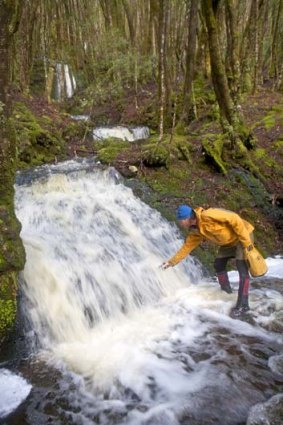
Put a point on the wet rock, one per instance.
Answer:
(268, 282)
(276, 364)
(133, 169)
(267, 413)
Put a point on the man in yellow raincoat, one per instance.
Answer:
(226, 229)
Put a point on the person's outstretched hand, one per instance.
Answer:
(165, 265)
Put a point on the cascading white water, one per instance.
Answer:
(93, 251)
(120, 132)
(149, 344)
(64, 82)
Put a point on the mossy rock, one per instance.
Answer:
(247, 136)
(155, 155)
(176, 146)
(36, 144)
(108, 150)
(186, 150)
(212, 147)
(8, 305)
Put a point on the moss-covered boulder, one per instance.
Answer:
(212, 145)
(108, 150)
(38, 140)
(155, 155)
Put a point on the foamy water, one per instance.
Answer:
(13, 389)
(142, 345)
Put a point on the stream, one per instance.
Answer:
(104, 336)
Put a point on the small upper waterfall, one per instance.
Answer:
(121, 132)
(64, 82)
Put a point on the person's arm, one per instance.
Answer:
(192, 241)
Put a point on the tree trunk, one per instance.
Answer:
(274, 55)
(11, 248)
(218, 74)
(262, 35)
(106, 13)
(162, 66)
(130, 21)
(256, 46)
(233, 50)
(153, 25)
(188, 109)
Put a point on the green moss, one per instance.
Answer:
(263, 159)
(279, 147)
(185, 149)
(164, 184)
(259, 153)
(212, 145)
(269, 121)
(108, 150)
(75, 129)
(180, 129)
(155, 155)
(177, 172)
(243, 158)
(37, 142)
(246, 135)
(8, 288)
(278, 109)
(169, 182)
(12, 255)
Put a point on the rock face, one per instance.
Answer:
(7, 302)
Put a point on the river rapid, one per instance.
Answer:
(107, 337)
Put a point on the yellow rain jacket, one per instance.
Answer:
(222, 227)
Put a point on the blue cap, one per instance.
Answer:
(184, 212)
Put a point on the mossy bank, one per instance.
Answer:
(8, 304)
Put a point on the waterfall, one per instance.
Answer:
(69, 81)
(121, 132)
(93, 251)
(64, 84)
